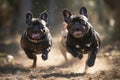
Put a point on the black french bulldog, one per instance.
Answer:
(81, 37)
(37, 38)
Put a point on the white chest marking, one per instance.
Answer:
(77, 46)
(88, 45)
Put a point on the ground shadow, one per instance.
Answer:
(65, 75)
(9, 69)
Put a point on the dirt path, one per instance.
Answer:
(56, 68)
(64, 71)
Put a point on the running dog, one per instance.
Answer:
(36, 38)
(79, 37)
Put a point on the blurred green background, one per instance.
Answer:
(103, 15)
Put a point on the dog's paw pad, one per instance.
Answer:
(44, 57)
(90, 63)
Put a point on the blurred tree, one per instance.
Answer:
(39, 6)
(115, 7)
(100, 8)
(9, 10)
(54, 8)
(25, 5)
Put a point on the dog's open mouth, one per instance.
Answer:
(36, 35)
(77, 33)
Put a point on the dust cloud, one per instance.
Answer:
(56, 59)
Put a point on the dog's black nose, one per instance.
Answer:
(35, 28)
(44, 56)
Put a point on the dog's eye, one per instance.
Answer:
(83, 22)
(42, 30)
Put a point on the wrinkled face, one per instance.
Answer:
(36, 29)
(36, 26)
(77, 27)
(77, 24)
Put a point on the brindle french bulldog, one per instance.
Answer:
(36, 38)
(81, 37)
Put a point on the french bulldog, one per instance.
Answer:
(36, 38)
(79, 37)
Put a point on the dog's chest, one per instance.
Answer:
(79, 44)
(38, 48)
(82, 46)
(35, 47)
(86, 47)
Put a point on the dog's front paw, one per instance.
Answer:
(80, 56)
(44, 56)
(91, 61)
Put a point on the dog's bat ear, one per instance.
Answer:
(28, 17)
(83, 11)
(44, 16)
(66, 14)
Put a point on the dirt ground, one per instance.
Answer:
(56, 68)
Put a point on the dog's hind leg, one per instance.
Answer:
(31, 55)
(86, 66)
(65, 56)
(64, 52)
(63, 49)
(34, 61)
(86, 69)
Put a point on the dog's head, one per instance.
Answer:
(36, 26)
(77, 24)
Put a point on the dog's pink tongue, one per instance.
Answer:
(36, 35)
(77, 32)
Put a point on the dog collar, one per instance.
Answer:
(34, 41)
